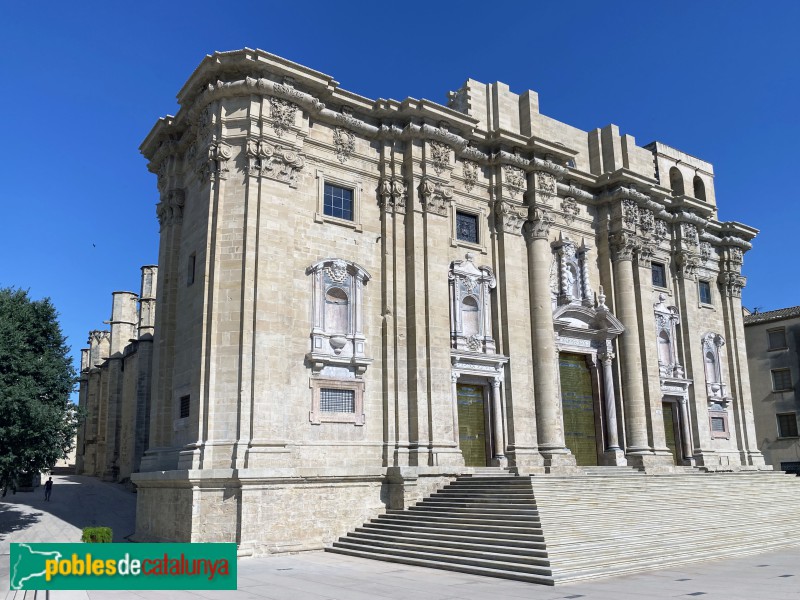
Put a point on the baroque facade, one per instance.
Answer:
(360, 299)
(773, 355)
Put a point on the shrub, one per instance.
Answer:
(97, 535)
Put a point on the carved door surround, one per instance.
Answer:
(591, 331)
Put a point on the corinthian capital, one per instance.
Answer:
(538, 228)
(623, 246)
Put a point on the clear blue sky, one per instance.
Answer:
(83, 82)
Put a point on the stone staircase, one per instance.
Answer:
(552, 530)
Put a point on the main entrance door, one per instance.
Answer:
(472, 424)
(577, 402)
(668, 410)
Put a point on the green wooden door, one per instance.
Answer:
(668, 410)
(471, 424)
(577, 403)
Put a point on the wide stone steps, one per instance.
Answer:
(559, 529)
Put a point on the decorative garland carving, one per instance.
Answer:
(344, 142)
(570, 209)
(470, 174)
(440, 156)
(282, 113)
(515, 179)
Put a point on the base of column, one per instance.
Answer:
(499, 461)
(653, 464)
(559, 461)
(446, 457)
(614, 457)
(526, 461)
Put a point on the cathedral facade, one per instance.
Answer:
(359, 300)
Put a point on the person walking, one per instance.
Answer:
(48, 488)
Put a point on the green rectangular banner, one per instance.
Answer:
(123, 566)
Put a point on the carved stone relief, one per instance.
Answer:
(393, 194)
(273, 161)
(570, 209)
(470, 175)
(470, 306)
(345, 143)
(515, 180)
(509, 218)
(436, 197)
(440, 156)
(282, 113)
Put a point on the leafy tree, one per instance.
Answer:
(37, 419)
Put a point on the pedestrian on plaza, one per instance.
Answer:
(48, 488)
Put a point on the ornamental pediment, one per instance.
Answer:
(586, 321)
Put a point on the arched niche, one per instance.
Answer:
(676, 182)
(699, 188)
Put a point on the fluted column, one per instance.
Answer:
(623, 248)
(547, 396)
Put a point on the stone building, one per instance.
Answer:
(359, 300)
(115, 382)
(773, 355)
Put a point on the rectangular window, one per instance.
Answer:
(184, 406)
(717, 424)
(190, 269)
(336, 400)
(787, 425)
(705, 292)
(338, 202)
(467, 227)
(781, 380)
(659, 275)
(777, 339)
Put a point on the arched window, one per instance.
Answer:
(676, 182)
(470, 315)
(699, 188)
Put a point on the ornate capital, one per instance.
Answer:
(606, 357)
(509, 218)
(623, 246)
(214, 164)
(732, 283)
(170, 210)
(393, 194)
(435, 196)
(687, 263)
(274, 162)
(538, 228)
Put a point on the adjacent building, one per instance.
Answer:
(773, 355)
(360, 299)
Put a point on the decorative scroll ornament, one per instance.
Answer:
(440, 156)
(509, 219)
(570, 209)
(282, 113)
(436, 197)
(344, 142)
(470, 175)
(515, 179)
(275, 162)
(215, 164)
(393, 193)
(539, 226)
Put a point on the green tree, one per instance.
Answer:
(37, 419)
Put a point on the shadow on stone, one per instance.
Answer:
(12, 520)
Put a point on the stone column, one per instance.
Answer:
(454, 391)
(613, 452)
(623, 248)
(499, 458)
(547, 396)
(686, 430)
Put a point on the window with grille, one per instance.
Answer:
(705, 292)
(467, 227)
(338, 401)
(659, 274)
(717, 424)
(787, 425)
(338, 202)
(781, 380)
(185, 406)
(776, 338)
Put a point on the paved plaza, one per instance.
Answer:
(81, 501)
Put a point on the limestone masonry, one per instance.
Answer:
(358, 300)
